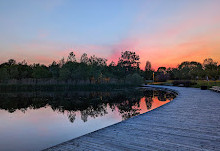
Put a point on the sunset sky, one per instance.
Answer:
(165, 32)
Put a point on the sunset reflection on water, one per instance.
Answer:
(37, 121)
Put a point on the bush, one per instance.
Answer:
(203, 87)
(184, 83)
(161, 77)
(3, 74)
(134, 79)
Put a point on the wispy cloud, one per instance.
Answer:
(163, 32)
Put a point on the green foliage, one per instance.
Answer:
(129, 61)
(96, 61)
(84, 59)
(200, 83)
(161, 69)
(71, 57)
(94, 70)
(3, 74)
(40, 71)
(184, 83)
(65, 74)
(148, 66)
(13, 71)
(148, 71)
(54, 70)
(195, 71)
(209, 64)
(11, 62)
(161, 77)
(190, 70)
(134, 79)
(211, 68)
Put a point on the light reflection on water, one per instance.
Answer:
(34, 121)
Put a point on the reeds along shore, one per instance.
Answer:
(64, 87)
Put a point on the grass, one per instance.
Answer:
(206, 83)
(198, 85)
(169, 82)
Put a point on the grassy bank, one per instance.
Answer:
(198, 83)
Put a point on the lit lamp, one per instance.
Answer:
(153, 76)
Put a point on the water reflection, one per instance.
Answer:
(90, 104)
(37, 120)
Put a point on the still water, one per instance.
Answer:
(38, 120)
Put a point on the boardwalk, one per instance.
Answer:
(190, 122)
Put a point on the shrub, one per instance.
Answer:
(161, 77)
(184, 83)
(134, 79)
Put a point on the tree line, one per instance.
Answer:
(91, 69)
(94, 70)
(187, 70)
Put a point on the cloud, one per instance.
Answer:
(194, 37)
(164, 39)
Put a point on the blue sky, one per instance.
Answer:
(46, 30)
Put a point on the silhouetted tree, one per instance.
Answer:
(71, 57)
(210, 67)
(61, 62)
(54, 70)
(129, 60)
(96, 70)
(11, 62)
(84, 59)
(148, 66)
(161, 69)
(148, 71)
(189, 70)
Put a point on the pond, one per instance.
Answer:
(38, 120)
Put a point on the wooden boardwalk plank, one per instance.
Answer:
(189, 122)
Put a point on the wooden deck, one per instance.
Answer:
(190, 122)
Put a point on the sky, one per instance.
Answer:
(164, 32)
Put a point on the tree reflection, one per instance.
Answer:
(88, 104)
(149, 101)
(71, 116)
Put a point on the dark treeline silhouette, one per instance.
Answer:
(89, 104)
(208, 70)
(94, 70)
(89, 70)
